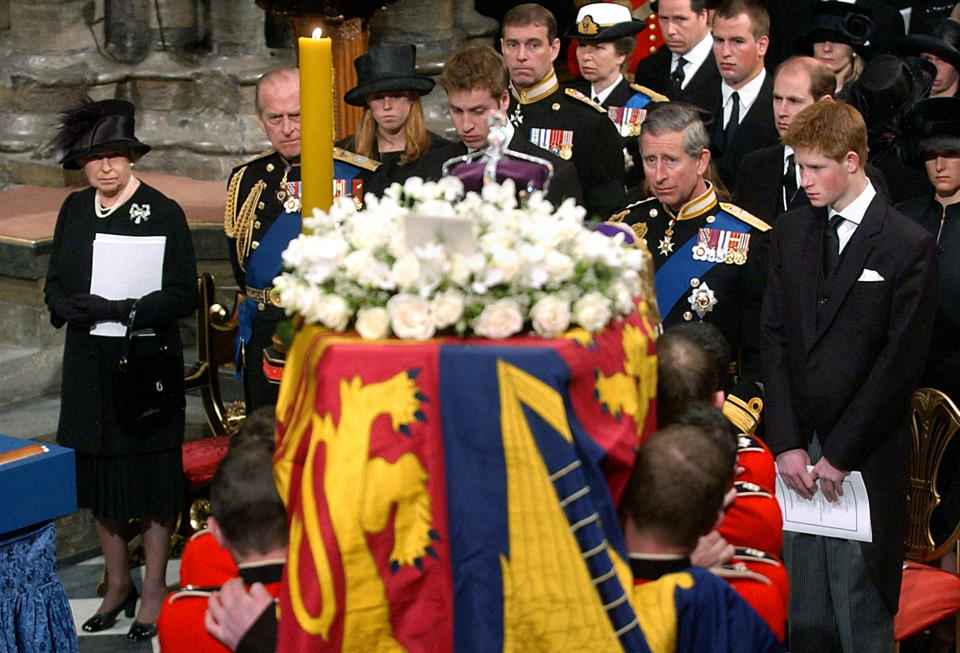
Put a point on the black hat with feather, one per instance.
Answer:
(97, 127)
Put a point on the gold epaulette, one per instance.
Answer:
(744, 414)
(577, 95)
(238, 223)
(745, 216)
(353, 158)
(650, 93)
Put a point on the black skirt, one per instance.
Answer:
(131, 486)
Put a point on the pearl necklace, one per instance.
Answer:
(124, 196)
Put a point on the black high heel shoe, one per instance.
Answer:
(104, 620)
(139, 632)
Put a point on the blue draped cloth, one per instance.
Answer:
(34, 611)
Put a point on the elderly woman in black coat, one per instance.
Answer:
(125, 470)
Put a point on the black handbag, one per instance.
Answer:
(149, 387)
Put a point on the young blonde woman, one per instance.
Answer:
(393, 129)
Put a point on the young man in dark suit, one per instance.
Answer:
(847, 314)
(685, 69)
(743, 115)
(772, 185)
(476, 81)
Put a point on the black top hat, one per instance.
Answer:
(942, 41)
(97, 127)
(387, 68)
(888, 86)
(933, 124)
(867, 27)
(604, 21)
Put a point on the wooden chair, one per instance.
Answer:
(216, 335)
(928, 594)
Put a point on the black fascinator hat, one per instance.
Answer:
(96, 127)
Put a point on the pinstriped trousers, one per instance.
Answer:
(834, 604)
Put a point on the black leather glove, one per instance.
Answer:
(85, 308)
(67, 309)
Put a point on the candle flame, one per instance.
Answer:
(317, 33)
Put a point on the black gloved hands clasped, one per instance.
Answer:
(84, 308)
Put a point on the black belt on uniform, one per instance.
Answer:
(263, 296)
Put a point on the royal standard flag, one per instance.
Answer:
(460, 495)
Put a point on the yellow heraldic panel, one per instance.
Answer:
(654, 604)
(360, 494)
(550, 602)
(629, 392)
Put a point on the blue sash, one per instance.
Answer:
(263, 266)
(672, 280)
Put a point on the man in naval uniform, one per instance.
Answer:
(262, 215)
(703, 249)
(605, 34)
(563, 121)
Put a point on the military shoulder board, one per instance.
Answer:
(557, 141)
(353, 158)
(650, 93)
(747, 489)
(748, 443)
(187, 592)
(739, 571)
(745, 216)
(577, 95)
(749, 554)
(721, 246)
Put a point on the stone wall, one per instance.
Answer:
(191, 73)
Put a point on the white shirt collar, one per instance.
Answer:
(695, 58)
(605, 93)
(853, 214)
(748, 95)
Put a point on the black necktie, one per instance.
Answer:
(789, 183)
(831, 246)
(596, 98)
(677, 76)
(734, 119)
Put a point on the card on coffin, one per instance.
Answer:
(458, 235)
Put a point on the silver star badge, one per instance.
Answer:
(666, 245)
(702, 300)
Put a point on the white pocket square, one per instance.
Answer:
(870, 275)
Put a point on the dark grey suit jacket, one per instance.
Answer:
(702, 90)
(761, 192)
(757, 129)
(839, 357)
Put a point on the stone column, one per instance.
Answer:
(126, 30)
(49, 26)
(237, 27)
(175, 24)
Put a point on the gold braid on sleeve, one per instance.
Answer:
(230, 210)
(243, 225)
